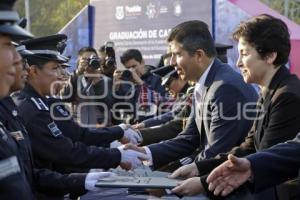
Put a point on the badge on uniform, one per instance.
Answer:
(14, 113)
(18, 135)
(54, 129)
(62, 111)
(9, 166)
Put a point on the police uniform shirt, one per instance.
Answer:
(12, 122)
(42, 180)
(13, 183)
(89, 136)
(49, 145)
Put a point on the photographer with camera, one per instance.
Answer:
(108, 59)
(141, 89)
(89, 87)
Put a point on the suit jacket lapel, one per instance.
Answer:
(281, 74)
(209, 80)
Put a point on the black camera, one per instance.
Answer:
(126, 75)
(109, 62)
(94, 62)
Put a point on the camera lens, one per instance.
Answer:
(94, 62)
(110, 62)
(126, 75)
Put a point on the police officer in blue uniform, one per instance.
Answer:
(53, 185)
(62, 117)
(178, 91)
(51, 147)
(12, 183)
(89, 136)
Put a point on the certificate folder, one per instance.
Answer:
(137, 182)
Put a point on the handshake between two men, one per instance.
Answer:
(132, 156)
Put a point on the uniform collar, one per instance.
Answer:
(29, 90)
(8, 102)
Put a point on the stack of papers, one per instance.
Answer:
(139, 178)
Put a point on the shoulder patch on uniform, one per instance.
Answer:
(62, 111)
(39, 103)
(54, 129)
(8, 167)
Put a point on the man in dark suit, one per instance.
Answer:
(262, 59)
(263, 169)
(172, 128)
(214, 117)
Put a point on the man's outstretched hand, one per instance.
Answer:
(228, 176)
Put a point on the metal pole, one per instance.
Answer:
(286, 8)
(27, 14)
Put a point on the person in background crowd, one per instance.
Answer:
(177, 89)
(90, 91)
(108, 59)
(132, 60)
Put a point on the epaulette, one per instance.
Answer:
(18, 98)
(39, 103)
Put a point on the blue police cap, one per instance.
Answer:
(23, 51)
(9, 22)
(166, 80)
(66, 64)
(48, 48)
(162, 71)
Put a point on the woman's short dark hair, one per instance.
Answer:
(266, 34)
